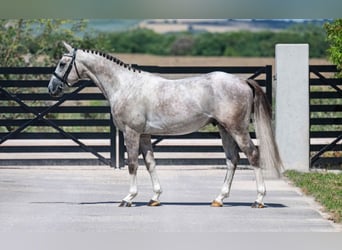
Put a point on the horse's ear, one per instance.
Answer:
(67, 46)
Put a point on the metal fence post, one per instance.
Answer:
(112, 143)
(268, 83)
(122, 149)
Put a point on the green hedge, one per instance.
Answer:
(241, 43)
(41, 40)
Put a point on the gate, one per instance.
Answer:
(325, 116)
(36, 129)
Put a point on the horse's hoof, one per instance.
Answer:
(153, 203)
(216, 204)
(125, 204)
(258, 205)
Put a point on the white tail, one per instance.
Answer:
(269, 155)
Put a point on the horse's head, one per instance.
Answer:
(66, 72)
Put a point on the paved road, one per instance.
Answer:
(78, 199)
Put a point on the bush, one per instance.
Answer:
(240, 43)
(182, 45)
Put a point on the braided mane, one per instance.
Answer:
(113, 59)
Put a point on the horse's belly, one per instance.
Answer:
(163, 127)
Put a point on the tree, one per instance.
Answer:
(334, 37)
(35, 42)
(32, 43)
(12, 34)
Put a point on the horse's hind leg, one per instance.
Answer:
(147, 151)
(247, 146)
(232, 157)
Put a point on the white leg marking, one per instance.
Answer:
(261, 188)
(150, 162)
(132, 145)
(225, 190)
(133, 189)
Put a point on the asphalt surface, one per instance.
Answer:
(85, 199)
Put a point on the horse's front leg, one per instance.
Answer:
(132, 146)
(147, 151)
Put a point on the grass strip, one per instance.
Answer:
(325, 187)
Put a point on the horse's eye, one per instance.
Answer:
(62, 64)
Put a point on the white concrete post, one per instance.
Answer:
(292, 105)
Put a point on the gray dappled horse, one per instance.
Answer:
(144, 104)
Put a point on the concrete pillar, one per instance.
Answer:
(292, 105)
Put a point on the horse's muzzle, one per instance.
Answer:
(55, 87)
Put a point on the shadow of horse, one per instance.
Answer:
(165, 204)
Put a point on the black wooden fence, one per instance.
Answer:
(36, 129)
(76, 129)
(325, 117)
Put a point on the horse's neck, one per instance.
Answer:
(107, 75)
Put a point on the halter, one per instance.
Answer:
(67, 72)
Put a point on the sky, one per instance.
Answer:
(142, 9)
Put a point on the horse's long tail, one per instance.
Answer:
(269, 155)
